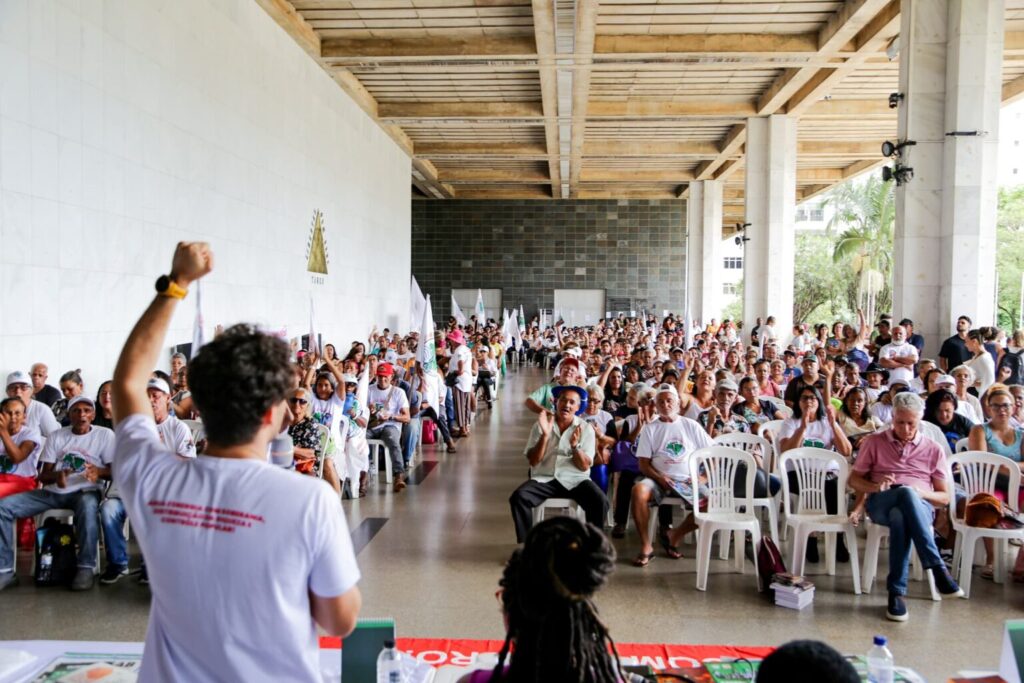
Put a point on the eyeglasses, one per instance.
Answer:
(1001, 406)
(300, 401)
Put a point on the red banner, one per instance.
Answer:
(463, 652)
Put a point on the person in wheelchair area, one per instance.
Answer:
(487, 369)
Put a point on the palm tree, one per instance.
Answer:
(863, 221)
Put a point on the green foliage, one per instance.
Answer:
(821, 286)
(1010, 254)
(734, 309)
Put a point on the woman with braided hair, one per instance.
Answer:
(546, 598)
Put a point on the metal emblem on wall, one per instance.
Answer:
(317, 259)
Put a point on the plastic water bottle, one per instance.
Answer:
(45, 566)
(389, 664)
(880, 662)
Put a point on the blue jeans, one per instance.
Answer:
(909, 519)
(113, 514)
(84, 504)
(411, 438)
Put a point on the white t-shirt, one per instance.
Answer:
(176, 435)
(668, 444)
(72, 452)
(882, 412)
(233, 548)
(326, 412)
(894, 350)
(39, 418)
(601, 418)
(465, 380)
(391, 400)
(27, 467)
(817, 435)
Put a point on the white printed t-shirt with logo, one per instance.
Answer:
(328, 413)
(27, 467)
(176, 435)
(668, 444)
(904, 350)
(233, 548)
(70, 452)
(391, 400)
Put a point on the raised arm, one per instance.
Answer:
(192, 260)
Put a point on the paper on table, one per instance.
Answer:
(11, 660)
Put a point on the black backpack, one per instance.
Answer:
(56, 560)
(1016, 367)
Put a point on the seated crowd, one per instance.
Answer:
(57, 446)
(631, 398)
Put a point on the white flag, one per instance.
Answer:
(426, 354)
(510, 334)
(198, 338)
(522, 317)
(313, 346)
(460, 317)
(416, 303)
(480, 311)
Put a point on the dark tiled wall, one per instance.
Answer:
(633, 249)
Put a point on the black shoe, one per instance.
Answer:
(143, 576)
(619, 531)
(897, 609)
(842, 554)
(84, 579)
(812, 549)
(113, 574)
(945, 583)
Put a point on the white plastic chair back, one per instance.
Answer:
(812, 467)
(749, 443)
(324, 434)
(775, 426)
(962, 445)
(719, 465)
(978, 473)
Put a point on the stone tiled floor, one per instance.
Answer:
(435, 562)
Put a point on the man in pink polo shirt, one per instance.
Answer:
(904, 475)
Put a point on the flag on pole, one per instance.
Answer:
(426, 354)
(510, 333)
(198, 338)
(522, 317)
(313, 346)
(480, 311)
(416, 303)
(460, 317)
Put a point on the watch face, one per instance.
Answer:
(163, 283)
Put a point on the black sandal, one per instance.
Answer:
(643, 559)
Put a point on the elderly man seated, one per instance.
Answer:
(567, 373)
(560, 451)
(75, 459)
(904, 475)
(662, 447)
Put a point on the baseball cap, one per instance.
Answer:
(80, 399)
(677, 348)
(809, 357)
(18, 377)
(727, 384)
(385, 370)
(350, 379)
(942, 380)
(667, 389)
(158, 384)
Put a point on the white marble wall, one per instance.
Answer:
(703, 249)
(771, 211)
(950, 74)
(127, 126)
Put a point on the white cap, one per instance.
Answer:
(574, 351)
(158, 384)
(350, 379)
(18, 377)
(945, 379)
(667, 389)
(82, 398)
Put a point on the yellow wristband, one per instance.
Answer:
(174, 291)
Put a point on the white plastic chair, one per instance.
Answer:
(775, 426)
(324, 434)
(719, 465)
(378, 446)
(931, 431)
(811, 466)
(876, 532)
(567, 504)
(749, 443)
(978, 472)
(962, 445)
(652, 521)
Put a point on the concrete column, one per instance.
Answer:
(703, 250)
(770, 210)
(950, 77)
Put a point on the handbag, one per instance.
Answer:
(983, 511)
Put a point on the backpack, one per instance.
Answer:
(1016, 367)
(429, 433)
(769, 563)
(56, 560)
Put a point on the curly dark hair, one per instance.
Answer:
(806, 661)
(547, 589)
(234, 380)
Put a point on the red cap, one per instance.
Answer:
(385, 370)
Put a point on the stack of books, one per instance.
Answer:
(792, 591)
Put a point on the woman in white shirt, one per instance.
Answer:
(814, 424)
(968, 405)
(461, 366)
(982, 365)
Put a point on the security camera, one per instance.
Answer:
(894, 99)
(901, 174)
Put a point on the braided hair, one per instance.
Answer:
(547, 588)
